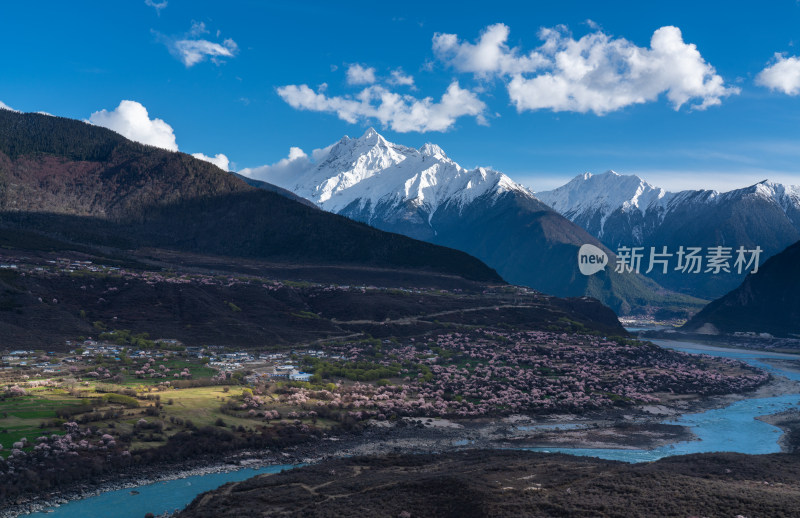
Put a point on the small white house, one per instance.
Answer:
(296, 375)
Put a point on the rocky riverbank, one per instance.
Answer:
(789, 423)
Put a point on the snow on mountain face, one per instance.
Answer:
(609, 190)
(787, 196)
(588, 195)
(372, 172)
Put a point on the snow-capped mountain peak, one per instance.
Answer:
(432, 150)
(602, 194)
(371, 134)
(370, 172)
(624, 208)
(785, 196)
(777, 191)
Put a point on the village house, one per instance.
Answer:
(194, 351)
(168, 341)
(226, 366)
(296, 375)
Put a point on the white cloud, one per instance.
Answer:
(4, 106)
(490, 55)
(782, 75)
(594, 73)
(402, 113)
(360, 75)
(400, 78)
(156, 5)
(131, 120)
(198, 28)
(283, 172)
(219, 160)
(320, 154)
(191, 49)
(192, 52)
(592, 24)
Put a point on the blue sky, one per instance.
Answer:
(684, 94)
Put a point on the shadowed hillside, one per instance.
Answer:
(84, 183)
(767, 301)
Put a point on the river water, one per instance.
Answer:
(156, 498)
(732, 428)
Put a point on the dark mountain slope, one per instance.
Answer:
(48, 295)
(532, 245)
(273, 188)
(624, 210)
(84, 183)
(738, 218)
(767, 301)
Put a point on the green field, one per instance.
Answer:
(25, 416)
(176, 410)
(131, 366)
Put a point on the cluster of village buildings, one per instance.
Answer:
(60, 264)
(262, 365)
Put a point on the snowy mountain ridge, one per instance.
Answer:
(371, 172)
(590, 199)
(604, 194)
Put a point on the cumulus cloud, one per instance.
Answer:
(4, 106)
(489, 55)
(401, 113)
(131, 120)
(595, 73)
(219, 160)
(400, 78)
(360, 75)
(783, 75)
(191, 49)
(284, 172)
(156, 5)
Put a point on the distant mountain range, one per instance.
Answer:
(624, 210)
(766, 302)
(87, 184)
(424, 194)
